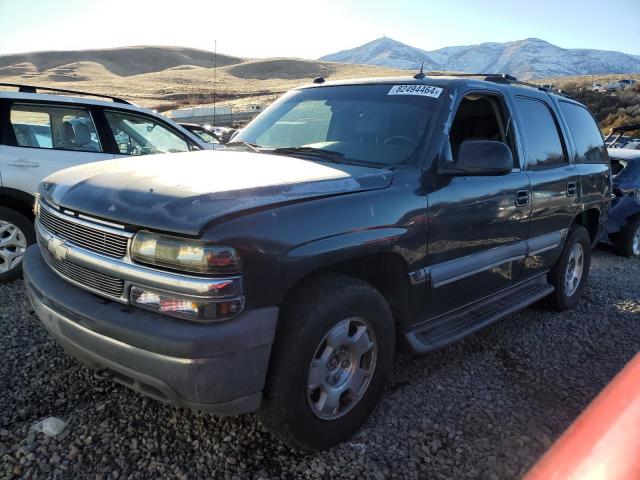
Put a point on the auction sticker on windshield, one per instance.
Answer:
(422, 90)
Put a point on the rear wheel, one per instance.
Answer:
(627, 241)
(16, 233)
(570, 273)
(332, 356)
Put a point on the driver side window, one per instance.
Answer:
(138, 135)
(480, 117)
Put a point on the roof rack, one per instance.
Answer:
(34, 89)
(626, 128)
(618, 131)
(503, 78)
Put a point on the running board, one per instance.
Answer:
(451, 327)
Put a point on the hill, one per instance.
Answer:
(168, 77)
(527, 59)
(124, 62)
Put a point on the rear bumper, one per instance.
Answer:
(219, 367)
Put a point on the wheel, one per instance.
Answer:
(333, 353)
(627, 241)
(16, 233)
(571, 271)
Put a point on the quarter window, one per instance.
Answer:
(53, 127)
(138, 135)
(586, 134)
(543, 144)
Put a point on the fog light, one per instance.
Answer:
(189, 308)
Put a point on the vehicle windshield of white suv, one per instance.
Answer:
(380, 125)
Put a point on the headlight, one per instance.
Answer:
(183, 254)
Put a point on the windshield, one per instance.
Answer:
(381, 125)
(205, 135)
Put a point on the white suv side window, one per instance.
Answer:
(54, 127)
(138, 135)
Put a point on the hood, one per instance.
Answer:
(624, 153)
(182, 192)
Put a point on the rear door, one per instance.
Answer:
(41, 138)
(590, 157)
(555, 182)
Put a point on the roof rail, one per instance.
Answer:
(503, 78)
(34, 89)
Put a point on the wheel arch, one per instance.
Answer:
(17, 200)
(590, 220)
(385, 271)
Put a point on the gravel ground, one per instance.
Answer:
(485, 408)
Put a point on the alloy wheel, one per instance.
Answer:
(342, 368)
(13, 244)
(575, 268)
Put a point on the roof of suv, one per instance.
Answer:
(56, 98)
(475, 80)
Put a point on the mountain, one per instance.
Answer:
(124, 62)
(386, 52)
(526, 59)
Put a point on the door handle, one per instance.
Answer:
(571, 189)
(522, 198)
(23, 162)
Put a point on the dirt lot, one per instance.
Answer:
(486, 408)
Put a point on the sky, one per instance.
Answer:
(310, 29)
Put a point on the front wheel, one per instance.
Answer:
(570, 273)
(16, 233)
(332, 356)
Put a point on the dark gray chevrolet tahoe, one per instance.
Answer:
(347, 220)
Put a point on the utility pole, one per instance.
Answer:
(215, 69)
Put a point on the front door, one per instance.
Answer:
(477, 225)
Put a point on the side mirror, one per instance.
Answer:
(482, 158)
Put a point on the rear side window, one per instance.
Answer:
(540, 131)
(586, 134)
(54, 127)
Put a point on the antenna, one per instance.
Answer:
(215, 69)
(420, 75)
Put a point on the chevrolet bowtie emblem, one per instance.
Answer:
(57, 247)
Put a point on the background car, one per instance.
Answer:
(205, 132)
(623, 225)
(41, 134)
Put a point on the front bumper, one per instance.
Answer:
(218, 367)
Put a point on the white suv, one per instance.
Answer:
(41, 134)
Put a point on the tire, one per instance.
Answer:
(567, 294)
(331, 303)
(627, 241)
(16, 233)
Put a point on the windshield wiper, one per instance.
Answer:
(321, 153)
(238, 143)
(317, 152)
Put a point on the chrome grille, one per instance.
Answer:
(84, 236)
(99, 282)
